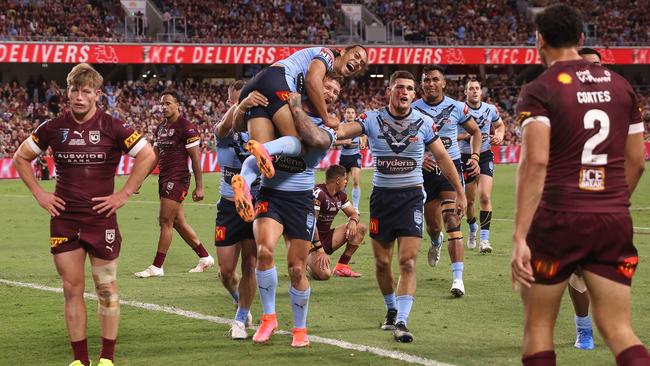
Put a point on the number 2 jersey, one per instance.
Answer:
(590, 110)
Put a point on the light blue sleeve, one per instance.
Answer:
(430, 135)
(461, 113)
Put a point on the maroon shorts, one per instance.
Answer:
(600, 243)
(98, 235)
(326, 241)
(173, 190)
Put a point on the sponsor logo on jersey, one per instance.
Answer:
(546, 267)
(77, 142)
(228, 173)
(191, 140)
(395, 164)
(523, 116)
(289, 164)
(94, 137)
(35, 138)
(446, 141)
(585, 77)
(220, 233)
(374, 226)
(627, 266)
(328, 57)
(109, 236)
(63, 133)
(80, 157)
(564, 78)
(592, 179)
(129, 141)
(56, 241)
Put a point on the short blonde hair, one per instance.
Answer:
(84, 75)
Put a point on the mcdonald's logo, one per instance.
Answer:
(374, 225)
(261, 207)
(546, 267)
(220, 233)
(282, 95)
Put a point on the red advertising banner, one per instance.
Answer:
(502, 155)
(118, 53)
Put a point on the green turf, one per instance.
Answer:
(482, 328)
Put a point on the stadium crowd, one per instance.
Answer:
(436, 22)
(24, 107)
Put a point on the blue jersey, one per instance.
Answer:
(397, 146)
(230, 156)
(447, 116)
(296, 65)
(298, 173)
(352, 148)
(485, 115)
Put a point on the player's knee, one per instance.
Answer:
(105, 275)
(227, 273)
(407, 265)
(248, 266)
(108, 300)
(165, 221)
(296, 271)
(362, 230)
(264, 254)
(178, 222)
(451, 220)
(72, 289)
(382, 264)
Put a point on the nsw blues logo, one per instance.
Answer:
(398, 141)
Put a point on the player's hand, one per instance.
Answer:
(110, 204)
(496, 139)
(254, 99)
(473, 169)
(331, 122)
(428, 163)
(522, 271)
(197, 194)
(323, 261)
(351, 230)
(51, 203)
(461, 204)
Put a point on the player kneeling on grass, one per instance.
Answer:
(329, 198)
(86, 145)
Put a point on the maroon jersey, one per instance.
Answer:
(172, 141)
(328, 206)
(591, 110)
(86, 155)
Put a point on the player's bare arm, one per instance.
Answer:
(349, 130)
(341, 142)
(499, 132)
(634, 160)
(531, 173)
(141, 164)
(353, 221)
(233, 120)
(449, 170)
(314, 82)
(476, 140)
(195, 155)
(23, 162)
(428, 162)
(310, 134)
(322, 261)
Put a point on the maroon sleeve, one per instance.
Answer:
(344, 197)
(125, 136)
(319, 197)
(190, 136)
(532, 102)
(41, 135)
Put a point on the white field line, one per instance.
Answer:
(215, 205)
(401, 356)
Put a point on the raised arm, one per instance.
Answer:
(309, 133)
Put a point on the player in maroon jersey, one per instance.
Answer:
(87, 145)
(582, 158)
(329, 198)
(176, 139)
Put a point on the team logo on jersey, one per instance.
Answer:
(363, 116)
(170, 186)
(170, 132)
(627, 266)
(220, 233)
(109, 236)
(413, 132)
(94, 137)
(63, 133)
(417, 217)
(564, 78)
(546, 267)
(282, 95)
(56, 241)
(310, 221)
(129, 141)
(592, 179)
(398, 141)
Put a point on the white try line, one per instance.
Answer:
(401, 356)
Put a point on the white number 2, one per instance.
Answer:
(588, 157)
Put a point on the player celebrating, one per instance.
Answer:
(486, 117)
(86, 145)
(176, 138)
(448, 114)
(329, 198)
(398, 136)
(351, 157)
(582, 157)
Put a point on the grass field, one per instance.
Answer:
(482, 328)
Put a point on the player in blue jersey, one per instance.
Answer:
(351, 157)
(232, 234)
(399, 135)
(486, 117)
(447, 114)
(284, 207)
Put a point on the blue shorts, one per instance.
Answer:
(485, 162)
(294, 210)
(436, 182)
(272, 83)
(395, 212)
(350, 161)
(229, 228)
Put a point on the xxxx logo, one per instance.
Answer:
(628, 266)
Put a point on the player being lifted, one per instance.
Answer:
(486, 117)
(176, 139)
(87, 145)
(399, 136)
(582, 157)
(351, 157)
(329, 198)
(303, 73)
(232, 234)
(447, 114)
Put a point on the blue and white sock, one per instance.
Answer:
(242, 315)
(299, 306)
(583, 322)
(404, 304)
(267, 282)
(390, 301)
(473, 226)
(285, 146)
(356, 196)
(457, 270)
(437, 241)
(249, 170)
(485, 234)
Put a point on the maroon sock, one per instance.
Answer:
(108, 348)
(633, 356)
(546, 358)
(80, 350)
(200, 251)
(159, 260)
(345, 259)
